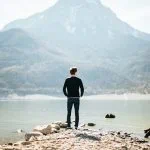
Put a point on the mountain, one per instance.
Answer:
(110, 54)
(23, 62)
(86, 26)
(27, 66)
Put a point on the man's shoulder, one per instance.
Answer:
(73, 78)
(67, 78)
(77, 78)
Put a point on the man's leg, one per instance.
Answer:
(69, 108)
(76, 106)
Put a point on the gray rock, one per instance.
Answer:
(110, 116)
(57, 122)
(147, 133)
(33, 138)
(25, 143)
(61, 124)
(30, 134)
(54, 130)
(44, 129)
(147, 130)
(91, 124)
(55, 126)
(88, 136)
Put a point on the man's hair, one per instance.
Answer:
(73, 70)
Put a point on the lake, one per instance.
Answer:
(131, 115)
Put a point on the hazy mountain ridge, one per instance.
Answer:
(86, 26)
(111, 55)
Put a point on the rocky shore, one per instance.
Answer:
(56, 137)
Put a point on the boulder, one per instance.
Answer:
(44, 129)
(57, 122)
(32, 134)
(91, 124)
(88, 136)
(25, 143)
(32, 138)
(55, 126)
(61, 124)
(147, 130)
(147, 134)
(107, 116)
(110, 116)
(54, 130)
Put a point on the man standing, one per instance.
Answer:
(71, 90)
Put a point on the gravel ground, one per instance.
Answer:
(83, 139)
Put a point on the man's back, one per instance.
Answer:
(72, 85)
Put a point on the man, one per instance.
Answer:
(71, 90)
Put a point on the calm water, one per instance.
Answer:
(132, 116)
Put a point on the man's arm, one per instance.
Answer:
(64, 88)
(81, 87)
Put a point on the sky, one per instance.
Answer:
(134, 12)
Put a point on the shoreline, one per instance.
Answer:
(56, 137)
(81, 139)
(14, 137)
(125, 96)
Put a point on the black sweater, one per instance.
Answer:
(72, 86)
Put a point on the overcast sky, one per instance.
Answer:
(134, 12)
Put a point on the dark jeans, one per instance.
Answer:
(70, 103)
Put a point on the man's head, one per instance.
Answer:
(73, 70)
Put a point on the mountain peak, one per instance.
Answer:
(79, 2)
(77, 22)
